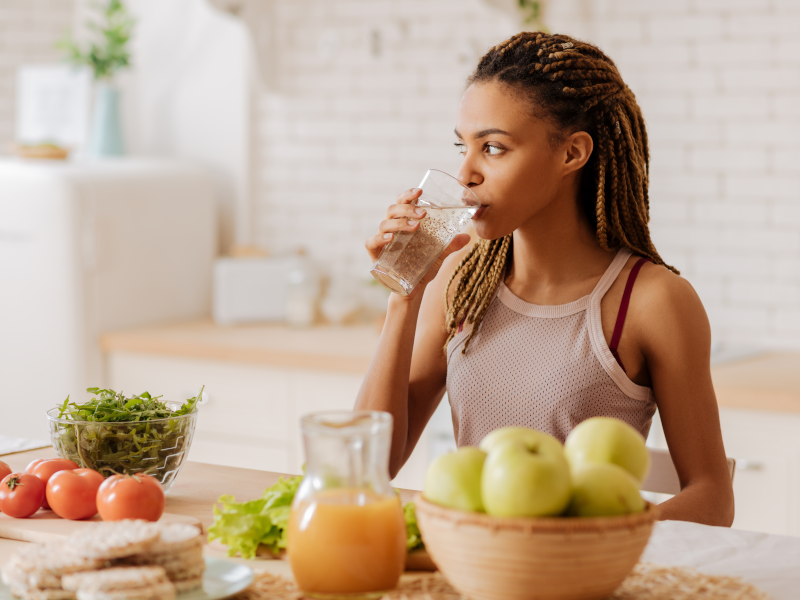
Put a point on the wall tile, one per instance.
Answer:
(719, 86)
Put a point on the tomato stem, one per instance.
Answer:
(13, 482)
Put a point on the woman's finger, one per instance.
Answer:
(409, 196)
(393, 225)
(376, 243)
(405, 211)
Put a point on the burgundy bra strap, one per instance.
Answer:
(623, 310)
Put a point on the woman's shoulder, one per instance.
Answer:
(666, 305)
(658, 286)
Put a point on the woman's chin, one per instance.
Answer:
(486, 231)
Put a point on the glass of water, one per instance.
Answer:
(449, 205)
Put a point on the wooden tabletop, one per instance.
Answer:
(194, 494)
(331, 348)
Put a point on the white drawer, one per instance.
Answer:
(237, 453)
(766, 469)
(246, 400)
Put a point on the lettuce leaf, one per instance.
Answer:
(413, 536)
(244, 526)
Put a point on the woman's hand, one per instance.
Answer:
(403, 216)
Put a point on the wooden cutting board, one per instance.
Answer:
(46, 526)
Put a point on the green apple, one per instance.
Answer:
(531, 437)
(603, 489)
(608, 440)
(526, 476)
(454, 479)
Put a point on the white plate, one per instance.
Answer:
(221, 579)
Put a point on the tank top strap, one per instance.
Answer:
(611, 274)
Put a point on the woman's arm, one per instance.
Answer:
(675, 338)
(407, 374)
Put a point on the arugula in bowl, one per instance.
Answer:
(115, 434)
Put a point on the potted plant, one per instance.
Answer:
(106, 53)
(528, 12)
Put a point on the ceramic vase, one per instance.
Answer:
(105, 138)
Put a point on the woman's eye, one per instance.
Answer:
(462, 148)
(493, 150)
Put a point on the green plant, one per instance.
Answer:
(115, 434)
(107, 52)
(532, 13)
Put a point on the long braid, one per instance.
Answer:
(582, 90)
(478, 275)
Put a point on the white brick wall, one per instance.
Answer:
(366, 97)
(719, 84)
(718, 81)
(344, 133)
(28, 31)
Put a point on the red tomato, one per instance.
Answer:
(131, 497)
(21, 495)
(72, 494)
(4, 470)
(45, 468)
(32, 464)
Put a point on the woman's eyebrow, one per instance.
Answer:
(484, 133)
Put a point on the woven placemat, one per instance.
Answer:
(647, 581)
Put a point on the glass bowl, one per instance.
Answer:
(156, 447)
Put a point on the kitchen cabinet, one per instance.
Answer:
(759, 409)
(88, 246)
(767, 480)
(759, 400)
(251, 405)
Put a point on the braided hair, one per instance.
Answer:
(580, 89)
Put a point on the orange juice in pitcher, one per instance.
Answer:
(347, 536)
(367, 532)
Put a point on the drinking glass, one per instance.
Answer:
(405, 260)
(347, 534)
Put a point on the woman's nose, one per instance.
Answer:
(469, 174)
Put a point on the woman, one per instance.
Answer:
(540, 321)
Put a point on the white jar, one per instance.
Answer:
(302, 293)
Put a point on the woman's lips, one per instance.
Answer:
(479, 212)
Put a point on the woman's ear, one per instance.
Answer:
(578, 148)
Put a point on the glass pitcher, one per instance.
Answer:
(347, 535)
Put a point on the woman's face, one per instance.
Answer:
(509, 160)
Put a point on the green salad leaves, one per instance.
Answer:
(112, 433)
(109, 406)
(413, 536)
(244, 526)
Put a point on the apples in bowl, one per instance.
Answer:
(551, 523)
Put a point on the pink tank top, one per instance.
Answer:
(543, 367)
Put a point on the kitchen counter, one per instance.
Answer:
(764, 382)
(768, 382)
(328, 348)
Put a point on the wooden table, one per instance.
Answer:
(193, 494)
(767, 561)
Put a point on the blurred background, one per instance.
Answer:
(207, 224)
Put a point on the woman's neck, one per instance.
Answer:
(556, 257)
